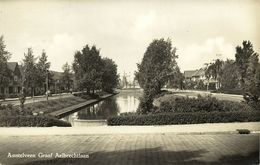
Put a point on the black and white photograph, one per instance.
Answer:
(129, 82)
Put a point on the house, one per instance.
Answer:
(14, 82)
(188, 75)
(58, 85)
(195, 75)
(198, 75)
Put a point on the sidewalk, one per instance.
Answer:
(208, 128)
(131, 149)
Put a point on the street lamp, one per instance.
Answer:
(47, 86)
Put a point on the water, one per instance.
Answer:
(126, 101)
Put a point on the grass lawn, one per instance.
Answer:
(53, 105)
(11, 116)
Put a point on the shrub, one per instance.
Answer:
(13, 96)
(10, 110)
(162, 93)
(2, 96)
(200, 104)
(185, 118)
(229, 91)
(255, 105)
(4, 107)
(128, 113)
(243, 131)
(31, 121)
(145, 105)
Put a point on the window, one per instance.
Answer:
(11, 90)
(15, 78)
(2, 90)
(19, 89)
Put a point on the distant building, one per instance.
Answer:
(195, 75)
(198, 75)
(14, 82)
(188, 75)
(58, 85)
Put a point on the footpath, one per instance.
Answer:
(131, 145)
(208, 128)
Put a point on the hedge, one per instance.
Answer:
(31, 121)
(200, 104)
(185, 118)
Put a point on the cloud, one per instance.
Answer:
(144, 21)
(62, 48)
(194, 56)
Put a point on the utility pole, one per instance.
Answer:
(47, 85)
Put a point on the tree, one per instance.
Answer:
(247, 62)
(251, 82)
(176, 81)
(229, 75)
(243, 55)
(42, 68)
(214, 69)
(30, 71)
(22, 99)
(110, 77)
(66, 78)
(156, 68)
(88, 66)
(4, 71)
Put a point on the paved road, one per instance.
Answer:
(134, 149)
(220, 96)
(15, 101)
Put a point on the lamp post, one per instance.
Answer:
(47, 86)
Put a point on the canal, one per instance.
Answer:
(124, 102)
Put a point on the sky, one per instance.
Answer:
(201, 30)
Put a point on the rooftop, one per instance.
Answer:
(12, 65)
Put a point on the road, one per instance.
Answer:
(220, 96)
(15, 101)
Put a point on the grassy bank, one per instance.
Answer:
(53, 105)
(36, 114)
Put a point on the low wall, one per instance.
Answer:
(63, 112)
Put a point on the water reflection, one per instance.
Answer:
(128, 100)
(101, 110)
(125, 101)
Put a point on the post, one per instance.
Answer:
(208, 85)
(55, 87)
(47, 86)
